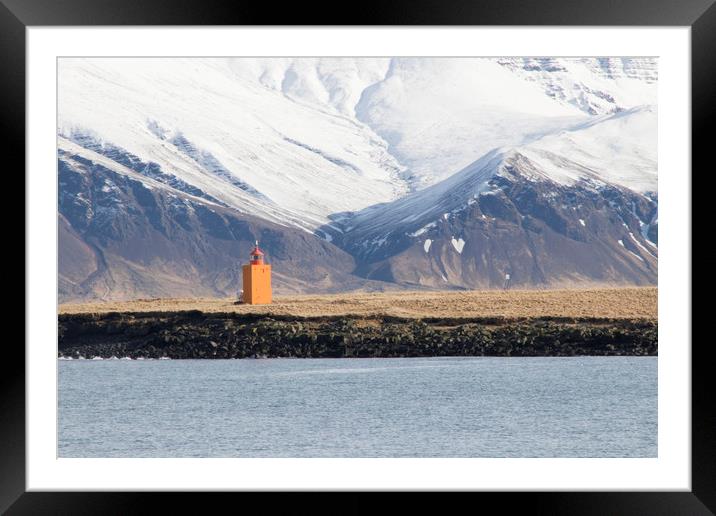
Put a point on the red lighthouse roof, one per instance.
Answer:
(257, 255)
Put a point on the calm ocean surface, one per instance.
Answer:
(386, 407)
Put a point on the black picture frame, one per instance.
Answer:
(700, 15)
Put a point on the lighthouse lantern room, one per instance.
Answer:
(257, 279)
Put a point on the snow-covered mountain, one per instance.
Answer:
(409, 169)
(580, 198)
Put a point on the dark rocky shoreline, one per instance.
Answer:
(193, 334)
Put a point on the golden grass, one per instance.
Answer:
(623, 303)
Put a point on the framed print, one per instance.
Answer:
(428, 249)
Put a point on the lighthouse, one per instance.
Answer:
(257, 279)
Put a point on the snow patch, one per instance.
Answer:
(422, 230)
(644, 229)
(458, 244)
(621, 243)
(581, 221)
(380, 242)
(636, 255)
(639, 243)
(426, 245)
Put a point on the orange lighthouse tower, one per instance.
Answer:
(257, 279)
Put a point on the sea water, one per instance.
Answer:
(385, 407)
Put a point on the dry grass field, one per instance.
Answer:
(619, 303)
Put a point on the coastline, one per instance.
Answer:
(595, 322)
(194, 334)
